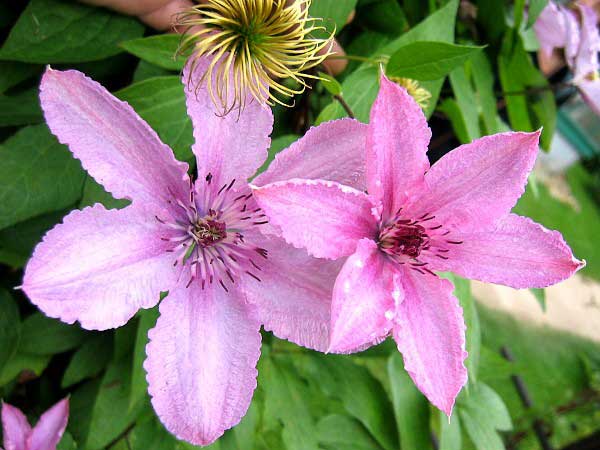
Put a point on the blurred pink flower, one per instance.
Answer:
(416, 219)
(207, 243)
(575, 31)
(18, 434)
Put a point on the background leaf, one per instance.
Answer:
(53, 31)
(10, 327)
(423, 60)
(28, 191)
(160, 50)
(410, 407)
(42, 335)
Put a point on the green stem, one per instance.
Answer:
(358, 58)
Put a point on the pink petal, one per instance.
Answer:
(333, 151)
(586, 62)
(396, 146)
(99, 267)
(15, 428)
(573, 35)
(517, 252)
(363, 307)
(430, 333)
(294, 298)
(114, 144)
(201, 364)
(229, 146)
(50, 428)
(324, 217)
(590, 92)
(550, 28)
(478, 183)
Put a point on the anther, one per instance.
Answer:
(252, 275)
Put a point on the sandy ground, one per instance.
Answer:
(573, 305)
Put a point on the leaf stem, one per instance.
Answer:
(345, 105)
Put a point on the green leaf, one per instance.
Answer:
(483, 79)
(451, 109)
(466, 100)
(534, 10)
(111, 414)
(66, 442)
(26, 190)
(277, 144)
(161, 102)
(482, 413)
(10, 327)
(385, 16)
(450, 432)
(360, 393)
(462, 291)
(485, 402)
(30, 366)
(540, 296)
(41, 335)
(94, 193)
(139, 386)
(529, 101)
(519, 12)
(20, 109)
(334, 14)
(151, 435)
(428, 60)
(160, 50)
(342, 432)
(89, 360)
(245, 434)
(410, 407)
(285, 394)
(13, 73)
(17, 241)
(145, 70)
(330, 84)
(53, 31)
(491, 16)
(360, 87)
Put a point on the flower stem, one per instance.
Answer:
(359, 58)
(345, 105)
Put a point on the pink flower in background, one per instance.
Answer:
(205, 243)
(414, 220)
(576, 31)
(585, 66)
(551, 28)
(18, 434)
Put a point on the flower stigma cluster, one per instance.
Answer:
(415, 90)
(260, 42)
(208, 230)
(403, 240)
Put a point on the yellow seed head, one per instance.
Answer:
(253, 44)
(420, 94)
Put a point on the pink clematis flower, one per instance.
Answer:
(18, 434)
(201, 242)
(576, 31)
(585, 65)
(414, 220)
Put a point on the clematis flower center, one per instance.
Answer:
(210, 230)
(403, 238)
(409, 241)
(207, 232)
